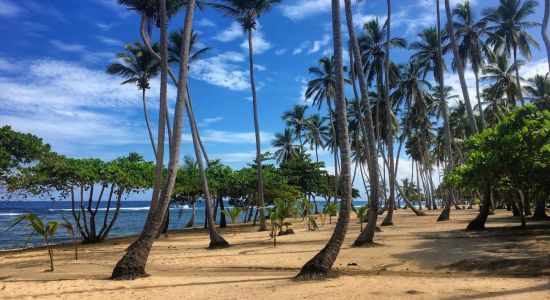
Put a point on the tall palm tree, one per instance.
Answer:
(286, 149)
(502, 77)
(460, 68)
(508, 30)
(426, 51)
(538, 91)
(296, 118)
(367, 132)
(320, 266)
(316, 133)
(132, 264)
(440, 79)
(472, 47)
(137, 66)
(544, 30)
(247, 14)
(321, 89)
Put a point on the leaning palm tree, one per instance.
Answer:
(316, 133)
(460, 68)
(132, 264)
(247, 14)
(538, 91)
(367, 132)
(473, 49)
(508, 31)
(284, 143)
(296, 118)
(544, 30)
(320, 266)
(137, 66)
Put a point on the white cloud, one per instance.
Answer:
(301, 48)
(110, 41)
(7, 65)
(209, 121)
(121, 10)
(229, 137)
(8, 9)
(86, 55)
(299, 10)
(205, 23)
(105, 26)
(231, 33)
(280, 51)
(319, 43)
(259, 43)
(222, 70)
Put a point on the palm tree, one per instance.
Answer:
(508, 31)
(132, 264)
(296, 118)
(316, 133)
(460, 68)
(501, 75)
(538, 91)
(472, 46)
(367, 132)
(495, 108)
(544, 30)
(440, 64)
(426, 51)
(286, 149)
(137, 66)
(320, 266)
(247, 13)
(323, 88)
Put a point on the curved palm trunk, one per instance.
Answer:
(216, 240)
(388, 220)
(366, 236)
(320, 266)
(261, 204)
(444, 216)
(479, 222)
(334, 149)
(132, 264)
(147, 122)
(544, 30)
(460, 69)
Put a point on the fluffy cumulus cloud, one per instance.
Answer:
(298, 10)
(231, 33)
(224, 70)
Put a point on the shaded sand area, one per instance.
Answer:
(417, 259)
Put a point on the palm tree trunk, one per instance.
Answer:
(366, 236)
(444, 216)
(132, 264)
(261, 205)
(460, 69)
(518, 83)
(334, 149)
(483, 125)
(190, 112)
(320, 266)
(544, 30)
(479, 222)
(147, 123)
(192, 220)
(391, 175)
(216, 240)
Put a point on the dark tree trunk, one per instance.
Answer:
(320, 266)
(544, 30)
(192, 220)
(223, 221)
(540, 208)
(479, 222)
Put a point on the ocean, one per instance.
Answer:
(130, 219)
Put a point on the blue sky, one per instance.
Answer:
(53, 83)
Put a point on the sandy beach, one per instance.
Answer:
(418, 258)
